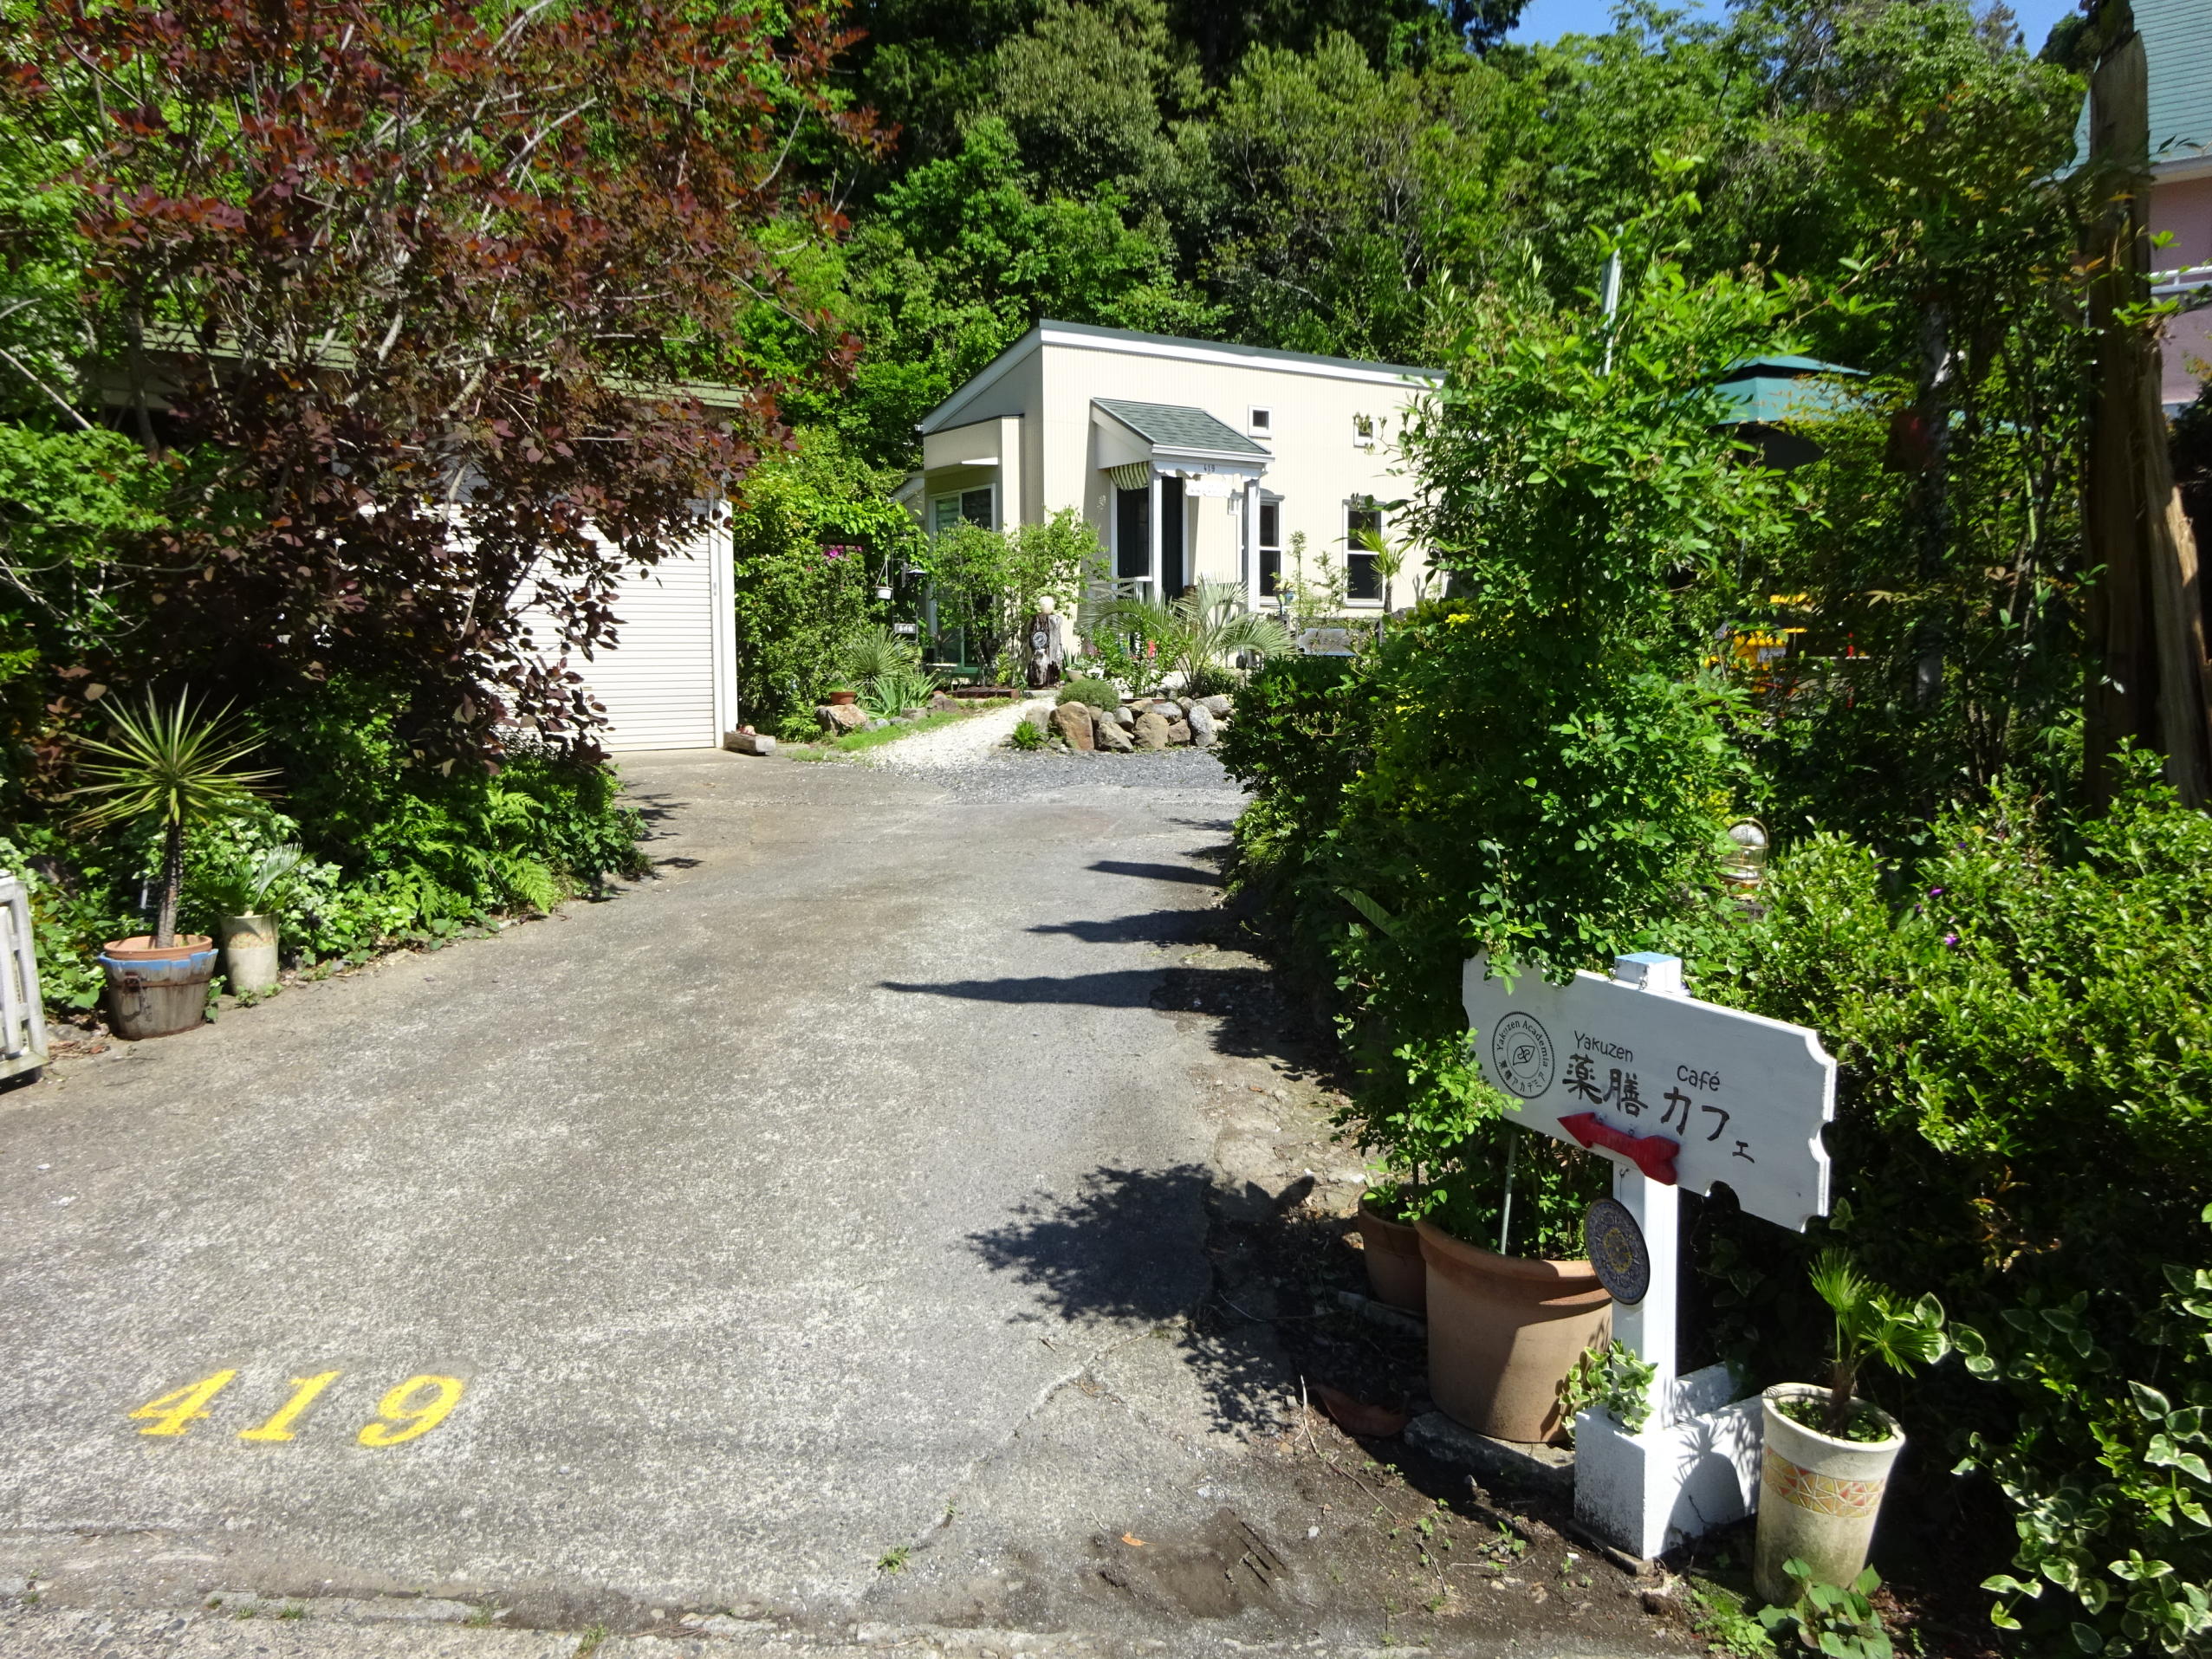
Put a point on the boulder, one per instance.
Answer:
(838, 718)
(1073, 721)
(1150, 731)
(1178, 731)
(1124, 716)
(1114, 737)
(750, 741)
(942, 704)
(1215, 706)
(1201, 722)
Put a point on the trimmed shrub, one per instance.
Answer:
(1099, 694)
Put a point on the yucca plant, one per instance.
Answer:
(1202, 629)
(175, 766)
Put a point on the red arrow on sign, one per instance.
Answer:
(1654, 1154)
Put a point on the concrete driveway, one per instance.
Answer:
(795, 1239)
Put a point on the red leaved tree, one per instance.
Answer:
(420, 295)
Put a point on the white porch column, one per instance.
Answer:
(1152, 566)
(1248, 563)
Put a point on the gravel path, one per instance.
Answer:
(962, 743)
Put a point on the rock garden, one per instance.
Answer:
(1094, 715)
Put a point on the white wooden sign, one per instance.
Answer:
(1689, 1092)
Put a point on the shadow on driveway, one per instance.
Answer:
(1193, 990)
(1156, 872)
(1123, 1248)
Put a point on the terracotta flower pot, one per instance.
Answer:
(157, 990)
(1819, 1496)
(1504, 1333)
(839, 699)
(1396, 1272)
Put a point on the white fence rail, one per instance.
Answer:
(22, 1020)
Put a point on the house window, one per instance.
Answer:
(968, 507)
(1261, 423)
(1270, 548)
(1363, 520)
(1132, 534)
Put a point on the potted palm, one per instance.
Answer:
(180, 771)
(1828, 1453)
(247, 927)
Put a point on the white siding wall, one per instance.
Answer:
(671, 680)
(1318, 465)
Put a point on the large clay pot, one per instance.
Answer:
(157, 990)
(249, 953)
(840, 699)
(1395, 1271)
(1819, 1496)
(1504, 1333)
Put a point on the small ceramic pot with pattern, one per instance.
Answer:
(1819, 1496)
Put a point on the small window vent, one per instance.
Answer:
(1261, 423)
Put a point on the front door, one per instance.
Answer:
(1172, 576)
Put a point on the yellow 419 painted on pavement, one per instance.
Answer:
(407, 1412)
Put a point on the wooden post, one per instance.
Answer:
(2149, 678)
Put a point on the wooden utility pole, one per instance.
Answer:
(2148, 675)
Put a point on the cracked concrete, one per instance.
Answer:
(817, 1235)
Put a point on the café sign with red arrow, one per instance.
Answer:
(1689, 1093)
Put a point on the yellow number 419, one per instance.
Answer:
(407, 1413)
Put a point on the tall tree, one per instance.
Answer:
(418, 290)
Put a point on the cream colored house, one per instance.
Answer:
(1192, 460)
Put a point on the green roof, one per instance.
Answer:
(1766, 390)
(2178, 37)
(2177, 43)
(1178, 426)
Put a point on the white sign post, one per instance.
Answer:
(1676, 1093)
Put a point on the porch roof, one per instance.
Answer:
(1182, 430)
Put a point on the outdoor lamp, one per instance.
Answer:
(1745, 863)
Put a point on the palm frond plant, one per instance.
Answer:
(1872, 1327)
(1390, 559)
(262, 884)
(871, 653)
(1199, 631)
(905, 686)
(175, 766)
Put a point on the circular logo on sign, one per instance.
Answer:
(1521, 1055)
(1616, 1250)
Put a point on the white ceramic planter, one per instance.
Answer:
(249, 953)
(1819, 1496)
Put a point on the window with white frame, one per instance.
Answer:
(1270, 548)
(1362, 525)
(968, 507)
(1260, 422)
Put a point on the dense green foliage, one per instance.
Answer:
(2025, 1130)
(813, 539)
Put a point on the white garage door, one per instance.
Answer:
(671, 680)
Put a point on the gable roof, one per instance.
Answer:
(1179, 426)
